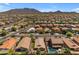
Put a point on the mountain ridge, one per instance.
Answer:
(31, 10)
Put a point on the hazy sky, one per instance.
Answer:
(41, 6)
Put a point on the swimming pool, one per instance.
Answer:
(51, 50)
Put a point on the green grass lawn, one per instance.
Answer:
(3, 52)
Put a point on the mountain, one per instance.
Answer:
(22, 10)
(30, 10)
(58, 11)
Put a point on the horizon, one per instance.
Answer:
(43, 7)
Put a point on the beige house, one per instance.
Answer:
(24, 44)
(56, 42)
(39, 43)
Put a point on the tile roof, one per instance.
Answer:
(24, 43)
(71, 44)
(76, 39)
(9, 43)
(56, 40)
(39, 43)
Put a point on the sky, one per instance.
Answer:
(44, 7)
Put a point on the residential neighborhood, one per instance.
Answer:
(29, 31)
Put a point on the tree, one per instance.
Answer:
(67, 51)
(4, 32)
(68, 30)
(69, 34)
(1, 42)
(64, 31)
(11, 52)
(13, 28)
(38, 52)
(33, 45)
(32, 38)
(22, 26)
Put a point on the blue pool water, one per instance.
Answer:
(51, 50)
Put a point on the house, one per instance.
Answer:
(49, 25)
(31, 29)
(37, 26)
(39, 43)
(76, 40)
(56, 29)
(40, 29)
(47, 39)
(2, 23)
(57, 42)
(55, 25)
(64, 28)
(75, 29)
(8, 44)
(24, 44)
(43, 25)
(70, 44)
(61, 25)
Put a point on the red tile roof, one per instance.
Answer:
(71, 44)
(9, 43)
